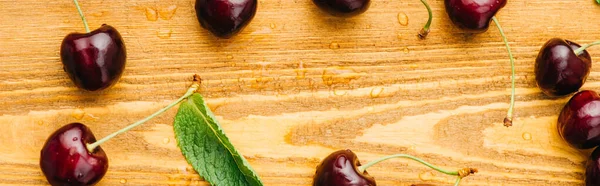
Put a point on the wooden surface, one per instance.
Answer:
(294, 86)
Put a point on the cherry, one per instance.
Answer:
(473, 15)
(343, 8)
(562, 67)
(71, 156)
(65, 160)
(225, 18)
(93, 60)
(592, 171)
(342, 168)
(579, 121)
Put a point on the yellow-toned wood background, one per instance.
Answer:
(297, 84)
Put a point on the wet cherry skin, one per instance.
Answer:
(340, 168)
(225, 18)
(343, 8)
(558, 70)
(473, 15)
(579, 121)
(65, 160)
(94, 61)
(592, 170)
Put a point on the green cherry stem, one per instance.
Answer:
(189, 92)
(460, 173)
(457, 181)
(580, 50)
(509, 115)
(423, 33)
(87, 28)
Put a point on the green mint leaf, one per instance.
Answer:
(207, 148)
(598, 1)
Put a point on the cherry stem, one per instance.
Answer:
(423, 33)
(460, 173)
(457, 181)
(509, 115)
(189, 92)
(580, 50)
(87, 28)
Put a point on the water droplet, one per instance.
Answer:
(273, 26)
(414, 66)
(339, 75)
(412, 147)
(406, 50)
(79, 175)
(123, 181)
(229, 57)
(40, 122)
(78, 114)
(66, 21)
(260, 81)
(300, 71)
(338, 91)
(402, 19)
(168, 12)
(526, 136)
(426, 176)
(98, 14)
(166, 140)
(399, 36)
(164, 33)
(368, 26)
(370, 109)
(334, 45)
(375, 92)
(75, 138)
(151, 14)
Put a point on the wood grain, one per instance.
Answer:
(287, 95)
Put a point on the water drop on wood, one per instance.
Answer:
(402, 19)
(334, 45)
(164, 33)
(526, 136)
(151, 14)
(168, 12)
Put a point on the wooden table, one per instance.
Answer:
(296, 85)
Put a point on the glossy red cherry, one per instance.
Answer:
(94, 61)
(340, 168)
(558, 70)
(592, 170)
(225, 18)
(473, 15)
(579, 121)
(65, 160)
(343, 7)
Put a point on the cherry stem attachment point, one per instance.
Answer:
(189, 92)
(423, 33)
(580, 50)
(509, 115)
(87, 28)
(460, 173)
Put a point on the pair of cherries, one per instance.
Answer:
(561, 68)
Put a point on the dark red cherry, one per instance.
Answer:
(95, 60)
(65, 160)
(343, 7)
(579, 121)
(558, 70)
(225, 18)
(592, 170)
(340, 168)
(473, 15)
